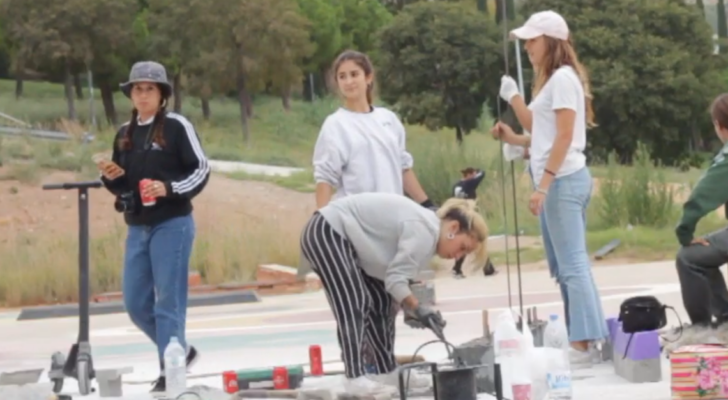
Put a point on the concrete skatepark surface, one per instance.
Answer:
(278, 331)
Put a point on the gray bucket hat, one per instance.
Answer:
(147, 71)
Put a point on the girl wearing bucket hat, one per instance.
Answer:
(156, 168)
(557, 117)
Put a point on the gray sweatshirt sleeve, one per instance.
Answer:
(329, 156)
(406, 157)
(414, 251)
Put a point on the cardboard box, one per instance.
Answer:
(699, 372)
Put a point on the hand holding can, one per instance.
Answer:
(144, 187)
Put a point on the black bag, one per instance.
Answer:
(642, 314)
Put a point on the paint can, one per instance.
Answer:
(315, 360)
(280, 378)
(230, 382)
(456, 384)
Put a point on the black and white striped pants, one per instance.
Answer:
(365, 313)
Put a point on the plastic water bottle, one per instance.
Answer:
(175, 368)
(555, 334)
(509, 345)
(558, 377)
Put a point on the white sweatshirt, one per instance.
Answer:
(361, 152)
(394, 237)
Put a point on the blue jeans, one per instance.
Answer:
(563, 227)
(156, 269)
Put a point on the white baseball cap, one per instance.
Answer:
(546, 23)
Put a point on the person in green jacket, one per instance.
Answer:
(703, 287)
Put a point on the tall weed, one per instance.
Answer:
(643, 198)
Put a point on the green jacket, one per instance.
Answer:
(710, 192)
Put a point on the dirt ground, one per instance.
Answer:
(29, 209)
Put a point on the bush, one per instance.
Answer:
(223, 252)
(645, 198)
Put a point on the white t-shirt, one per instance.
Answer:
(562, 91)
(361, 152)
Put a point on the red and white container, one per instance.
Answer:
(230, 382)
(147, 201)
(280, 378)
(315, 360)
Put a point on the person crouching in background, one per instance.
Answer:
(466, 188)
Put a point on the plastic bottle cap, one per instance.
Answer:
(553, 317)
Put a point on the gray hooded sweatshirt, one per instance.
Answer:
(395, 238)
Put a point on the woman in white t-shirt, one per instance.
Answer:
(557, 117)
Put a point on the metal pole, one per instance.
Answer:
(84, 266)
(519, 67)
(504, 22)
(92, 103)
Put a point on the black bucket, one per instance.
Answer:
(456, 384)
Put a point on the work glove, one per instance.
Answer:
(508, 89)
(428, 204)
(424, 317)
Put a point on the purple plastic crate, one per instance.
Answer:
(643, 345)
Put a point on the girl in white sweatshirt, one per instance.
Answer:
(361, 148)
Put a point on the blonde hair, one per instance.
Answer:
(466, 213)
(558, 54)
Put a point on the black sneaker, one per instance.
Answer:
(489, 269)
(160, 385)
(192, 357)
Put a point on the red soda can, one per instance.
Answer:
(315, 361)
(230, 381)
(280, 378)
(521, 391)
(147, 201)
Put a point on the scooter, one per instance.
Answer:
(79, 364)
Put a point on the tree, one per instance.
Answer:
(258, 35)
(112, 43)
(510, 10)
(652, 70)
(70, 36)
(325, 34)
(438, 61)
(362, 19)
(175, 44)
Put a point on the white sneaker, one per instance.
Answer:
(580, 359)
(595, 348)
(412, 379)
(365, 386)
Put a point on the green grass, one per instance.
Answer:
(286, 138)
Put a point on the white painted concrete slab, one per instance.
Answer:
(279, 330)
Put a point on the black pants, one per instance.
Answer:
(703, 287)
(488, 269)
(365, 313)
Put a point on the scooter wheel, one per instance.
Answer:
(57, 385)
(84, 377)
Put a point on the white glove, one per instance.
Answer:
(508, 89)
(512, 153)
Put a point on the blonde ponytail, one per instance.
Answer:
(457, 209)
